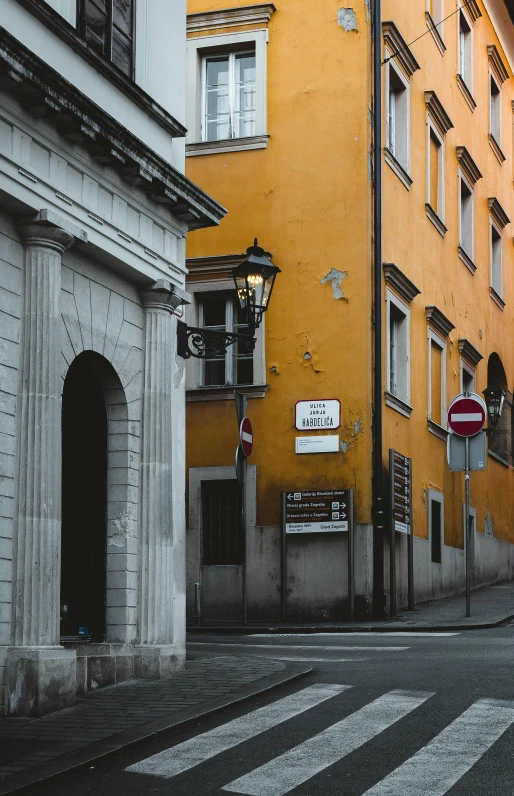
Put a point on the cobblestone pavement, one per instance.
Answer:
(110, 718)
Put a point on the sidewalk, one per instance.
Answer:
(491, 606)
(106, 720)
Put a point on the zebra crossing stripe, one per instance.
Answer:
(184, 756)
(296, 766)
(440, 764)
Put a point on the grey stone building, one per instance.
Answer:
(94, 210)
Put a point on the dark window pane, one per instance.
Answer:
(214, 308)
(244, 371)
(435, 531)
(122, 52)
(122, 11)
(214, 372)
(222, 533)
(95, 27)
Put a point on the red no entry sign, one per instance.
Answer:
(246, 437)
(466, 415)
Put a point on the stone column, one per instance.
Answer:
(40, 674)
(156, 654)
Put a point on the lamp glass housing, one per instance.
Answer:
(494, 398)
(254, 279)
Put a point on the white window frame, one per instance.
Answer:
(201, 46)
(434, 495)
(441, 202)
(403, 391)
(402, 158)
(465, 367)
(231, 87)
(438, 19)
(466, 74)
(194, 370)
(471, 251)
(433, 337)
(496, 134)
(496, 228)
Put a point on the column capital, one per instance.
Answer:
(50, 230)
(163, 295)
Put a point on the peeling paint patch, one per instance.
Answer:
(274, 369)
(336, 278)
(368, 13)
(357, 425)
(307, 355)
(344, 447)
(347, 19)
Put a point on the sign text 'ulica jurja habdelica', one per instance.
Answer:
(322, 414)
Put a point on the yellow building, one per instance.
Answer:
(281, 130)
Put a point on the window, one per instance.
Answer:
(222, 532)
(108, 27)
(466, 217)
(221, 312)
(496, 258)
(435, 171)
(398, 115)
(436, 382)
(229, 96)
(495, 108)
(467, 377)
(398, 348)
(436, 11)
(465, 52)
(436, 524)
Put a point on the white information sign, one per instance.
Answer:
(323, 414)
(316, 527)
(326, 444)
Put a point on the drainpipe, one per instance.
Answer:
(378, 485)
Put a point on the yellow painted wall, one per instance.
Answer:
(432, 263)
(307, 199)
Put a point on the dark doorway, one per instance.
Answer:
(84, 500)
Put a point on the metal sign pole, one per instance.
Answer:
(283, 561)
(467, 545)
(241, 402)
(351, 584)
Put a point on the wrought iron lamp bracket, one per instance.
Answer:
(192, 341)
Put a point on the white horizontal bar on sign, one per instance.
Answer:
(469, 417)
(247, 437)
(316, 527)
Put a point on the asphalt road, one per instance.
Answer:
(382, 715)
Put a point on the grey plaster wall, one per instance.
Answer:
(11, 263)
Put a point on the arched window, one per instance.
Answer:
(500, 440)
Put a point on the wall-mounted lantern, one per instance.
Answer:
(494, 398)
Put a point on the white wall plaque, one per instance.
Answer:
(326, 444)
(323, 414)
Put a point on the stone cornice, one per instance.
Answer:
(468, 165)
(58, 25)
(399, 48)
(497, 65)
(437, 112)
(469, 352)
(44, 92)
(439, 321)
(222, 264)
(163, 295)
(231, 17)
(401, 283)
(497, 212)
(472, 9)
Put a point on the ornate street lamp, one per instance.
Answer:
(494, 397)
(254, 278)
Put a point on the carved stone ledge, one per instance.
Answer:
(500, 70)
(468, 165)
(437, 112)
(43, 91)
(163, 295)
(400, 50)
(401, 283)
(439, 321)
(469, 352)
(497, 212)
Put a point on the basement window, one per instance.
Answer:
(222, 532)
(436, 524)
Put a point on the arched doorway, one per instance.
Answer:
(84, 499)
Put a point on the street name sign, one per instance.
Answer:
(246, 437)
(317, 512)
(466, 415)
(401, 492)
(323, 414)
